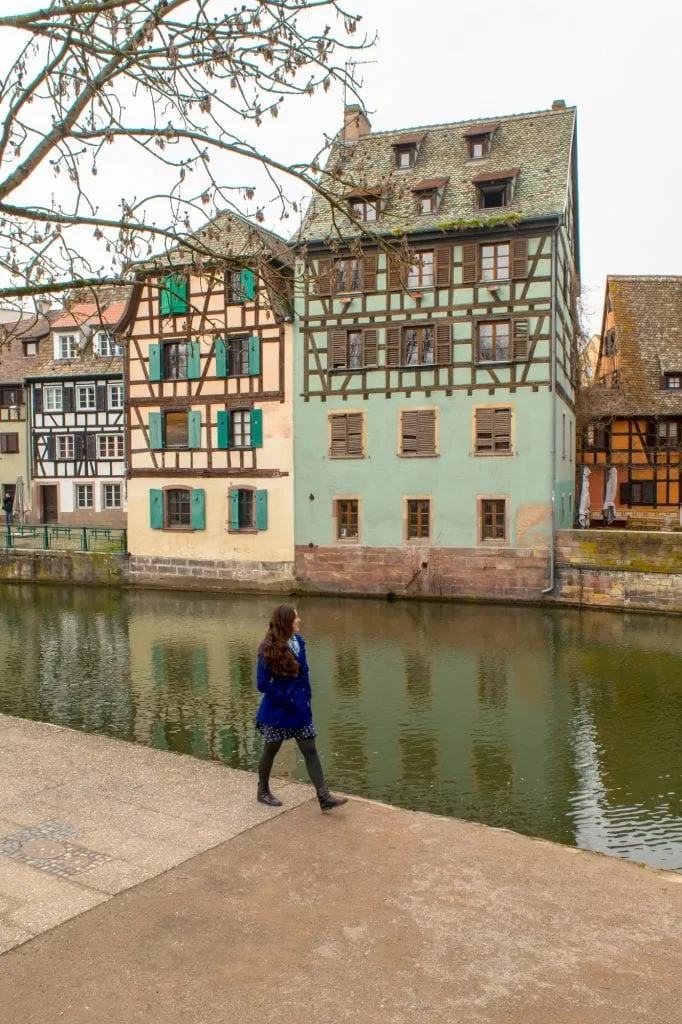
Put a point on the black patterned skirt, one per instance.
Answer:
(274, 734)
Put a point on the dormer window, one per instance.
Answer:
(495, 190)
(672, 381)
(364, 206)
(405, 157)
(65, 347)
(406, 150)
(479, 139)
(479, 146)
(428, 195)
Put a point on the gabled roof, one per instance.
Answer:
(647, 319)
(87, 318)
(540, 144)
(229, 237)
(14, 365)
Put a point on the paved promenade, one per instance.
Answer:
(142, 886)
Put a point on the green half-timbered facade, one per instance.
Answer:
(435, 357)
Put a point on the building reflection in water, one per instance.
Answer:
(555, 723)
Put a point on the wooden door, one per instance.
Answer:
(48, 504)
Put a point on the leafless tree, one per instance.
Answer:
(175, 90)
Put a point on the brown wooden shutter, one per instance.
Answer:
(484, 430)
(339, 438)
(338, 349)
(354, 433)
(393, 346)
(426, 432)
(369, 346)
(324, 276)
(369, 272)
(469, 262)
(502, 430)
(519, 257)
(409, 429)
(395, 273)
(442, 258)
(443, 343)
(520, 339)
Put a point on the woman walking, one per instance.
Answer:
(285, 711)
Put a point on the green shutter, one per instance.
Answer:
(164, 297)
(223, 428)
(261, 510)
(155, 431)
(254, 355)
(193, 361)
(173, 295)
(156, 509)
(198, 520)
(234, 509)
(194, 430)
(256, 428)
(247, 282)
(155, 362)
(220, 358)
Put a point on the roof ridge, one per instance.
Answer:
(470, 120)
(644, 277)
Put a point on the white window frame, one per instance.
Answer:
(53, 391)
(65, 343)
(89, 390)
(115, 489)
(112, 404)
(106, 345)
(87, 490)
(103, 441)
(65, 442)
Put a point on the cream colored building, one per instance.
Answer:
(209, 399)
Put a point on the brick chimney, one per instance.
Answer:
(355, 123)
(558, 104)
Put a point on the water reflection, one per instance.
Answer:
(564, 725)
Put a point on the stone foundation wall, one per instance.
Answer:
(70, 567)
(619, 569)
(494, 573)
(193, 574)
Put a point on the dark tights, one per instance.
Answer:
(312, 762)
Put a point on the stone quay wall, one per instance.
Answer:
(77, 568)
(619, 569)
(492, 573)
(195, 574)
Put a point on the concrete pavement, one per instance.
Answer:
(197, 905)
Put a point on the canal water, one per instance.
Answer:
(560, 724)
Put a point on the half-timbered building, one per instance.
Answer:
(20, 341)
(210, 490)
(77, 417)
(632, 414)
(435, 357)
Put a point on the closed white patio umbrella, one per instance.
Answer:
(609, 507)
(584, 507)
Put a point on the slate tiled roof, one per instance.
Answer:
(540, 144)
(107, 313)
(647, 318)
(14, 365)
(227, 236)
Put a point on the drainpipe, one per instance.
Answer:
(552, 521)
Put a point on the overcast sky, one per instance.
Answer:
(617, 61)
(445, 60)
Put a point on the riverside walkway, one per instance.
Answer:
(137, 885)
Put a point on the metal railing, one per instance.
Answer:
(47, 537)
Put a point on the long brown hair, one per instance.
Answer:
(275, 650)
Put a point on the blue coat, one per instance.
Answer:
(286, 702)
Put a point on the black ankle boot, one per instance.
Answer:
(329, 802)
(264, 796)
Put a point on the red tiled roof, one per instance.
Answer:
(78, 315)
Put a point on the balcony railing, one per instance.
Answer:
(47, 537)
